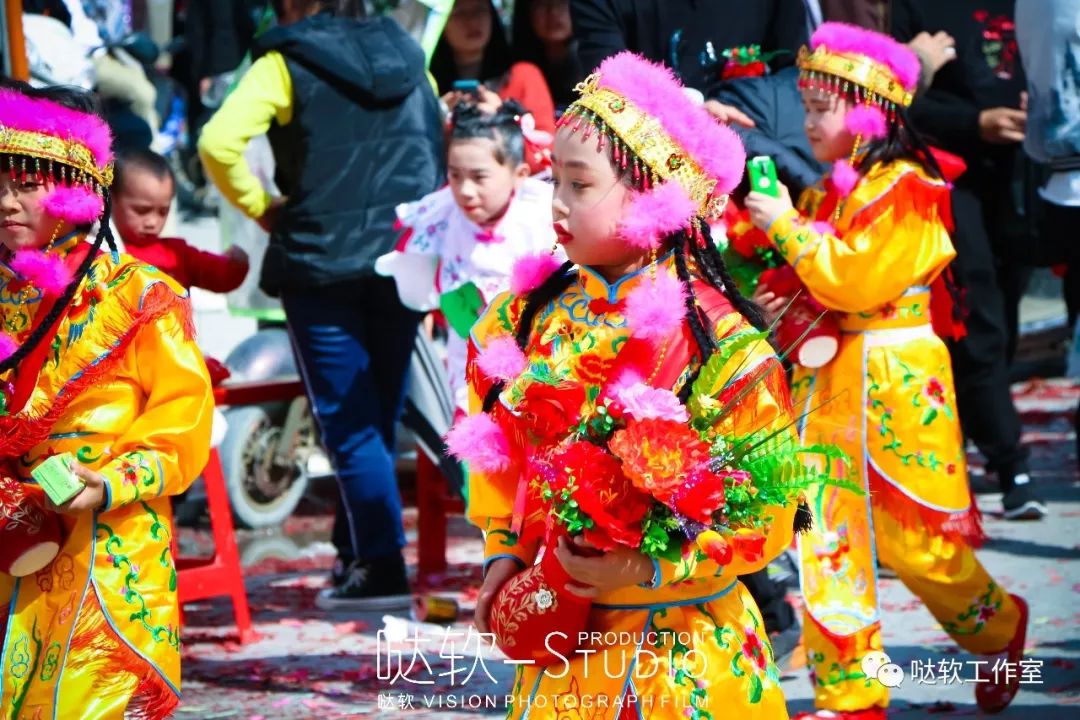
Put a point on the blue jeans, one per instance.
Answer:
(353, 342)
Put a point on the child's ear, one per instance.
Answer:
(521, 173)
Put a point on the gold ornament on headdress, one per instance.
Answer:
(872, 76)
(663, 158)
(53, 149)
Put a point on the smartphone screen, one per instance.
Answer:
(471, 87)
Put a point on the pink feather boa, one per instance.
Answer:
(530, 272)
(45, 271)
(8, 346)
(34, 115)
(656, 213)
(866, 120)
(480, 443)
(502, 359)
(655, 308)
(845, 38)
(77, 204)
(654, 89)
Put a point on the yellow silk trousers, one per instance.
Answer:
(887, 399)
(947, 576)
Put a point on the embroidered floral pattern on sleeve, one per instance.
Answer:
(138, 473)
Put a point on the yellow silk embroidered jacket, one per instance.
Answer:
(125, 389)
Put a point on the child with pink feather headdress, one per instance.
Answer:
(97, 360)
(871, 243)
(643, 303)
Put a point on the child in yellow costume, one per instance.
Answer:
(97, 359)
(637, 170)
(869, 242)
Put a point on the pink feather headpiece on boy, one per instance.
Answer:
(873, 72)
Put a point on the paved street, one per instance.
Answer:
(312, 664)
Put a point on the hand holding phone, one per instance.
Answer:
(763, 176)
(468, 87)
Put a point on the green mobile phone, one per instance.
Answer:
(763, 175)
(462, 307)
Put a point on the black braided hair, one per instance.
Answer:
(551, 288)
(711, 261)
(42, 330)
(80, 101)
(699, 323)
(503, 127)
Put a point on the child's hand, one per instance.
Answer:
(91, 498)
(618, 568)
(237, 255)
(497, 574)
(764, 209)
(771, 303)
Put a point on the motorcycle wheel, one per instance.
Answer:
(261, 494)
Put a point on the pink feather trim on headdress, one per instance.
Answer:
(656, 213)
(45, 271)
(77, 204)
(35, 115)
(656, 308)
(845, 38)
(530, 272)
(844, 177)
(8, 346)
(654, 89)
(480, 443)
(866, 120)
(502, 359)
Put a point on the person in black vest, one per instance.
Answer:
(974, 108)
(355, 129)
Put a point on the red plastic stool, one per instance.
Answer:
(200, 578)
(433, 503)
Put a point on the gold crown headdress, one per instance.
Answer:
(72, 149)
(684, 162)
(874, 72)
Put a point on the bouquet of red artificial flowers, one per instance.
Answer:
(645, 471)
